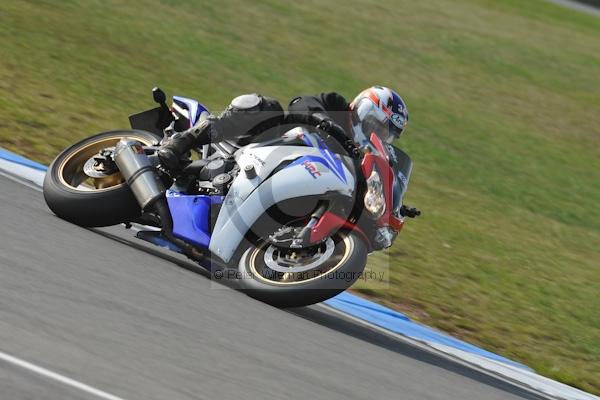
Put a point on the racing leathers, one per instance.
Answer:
(252, 114)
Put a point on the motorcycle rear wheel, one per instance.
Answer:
(92, 202)
(263, 276)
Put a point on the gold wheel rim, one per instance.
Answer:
(70, 170)
(348, 247)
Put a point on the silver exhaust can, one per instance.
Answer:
(138, 171)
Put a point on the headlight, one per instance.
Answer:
(374, 199)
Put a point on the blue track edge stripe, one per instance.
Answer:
(355, 306)
(399, 323)
(17, 159)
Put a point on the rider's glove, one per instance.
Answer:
(326, 124)
(172, 151)
(332, 128)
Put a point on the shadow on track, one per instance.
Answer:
(372, 336)
(321, 316)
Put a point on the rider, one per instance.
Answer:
(377, 109)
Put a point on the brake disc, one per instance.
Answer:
(294, 262)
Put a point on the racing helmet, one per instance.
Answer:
(378, 110)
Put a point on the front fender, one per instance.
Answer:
(309, 175)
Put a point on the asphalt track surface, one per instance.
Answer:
(139, 326)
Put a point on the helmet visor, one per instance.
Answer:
(396, 125)
(372, 120)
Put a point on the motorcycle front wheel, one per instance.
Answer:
(83, 186)
(286, 277)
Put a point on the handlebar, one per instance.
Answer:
(326, 124)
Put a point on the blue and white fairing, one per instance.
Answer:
(190, 109)
(191, 216)
(315, 170)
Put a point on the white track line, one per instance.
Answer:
(57, 377)
(20, 180)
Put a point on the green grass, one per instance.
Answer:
(505, 134)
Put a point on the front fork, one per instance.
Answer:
(303, 239)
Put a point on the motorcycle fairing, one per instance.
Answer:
(403, 170)
(330, 223)
(191, 216)
(249, 198)
(392, 187)
(189, 108)
(331, 160)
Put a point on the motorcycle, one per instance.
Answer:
(287, 218)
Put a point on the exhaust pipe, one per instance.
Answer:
(138, 171)
(148, 189)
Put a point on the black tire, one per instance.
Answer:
(95, 207)
(311, 291)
